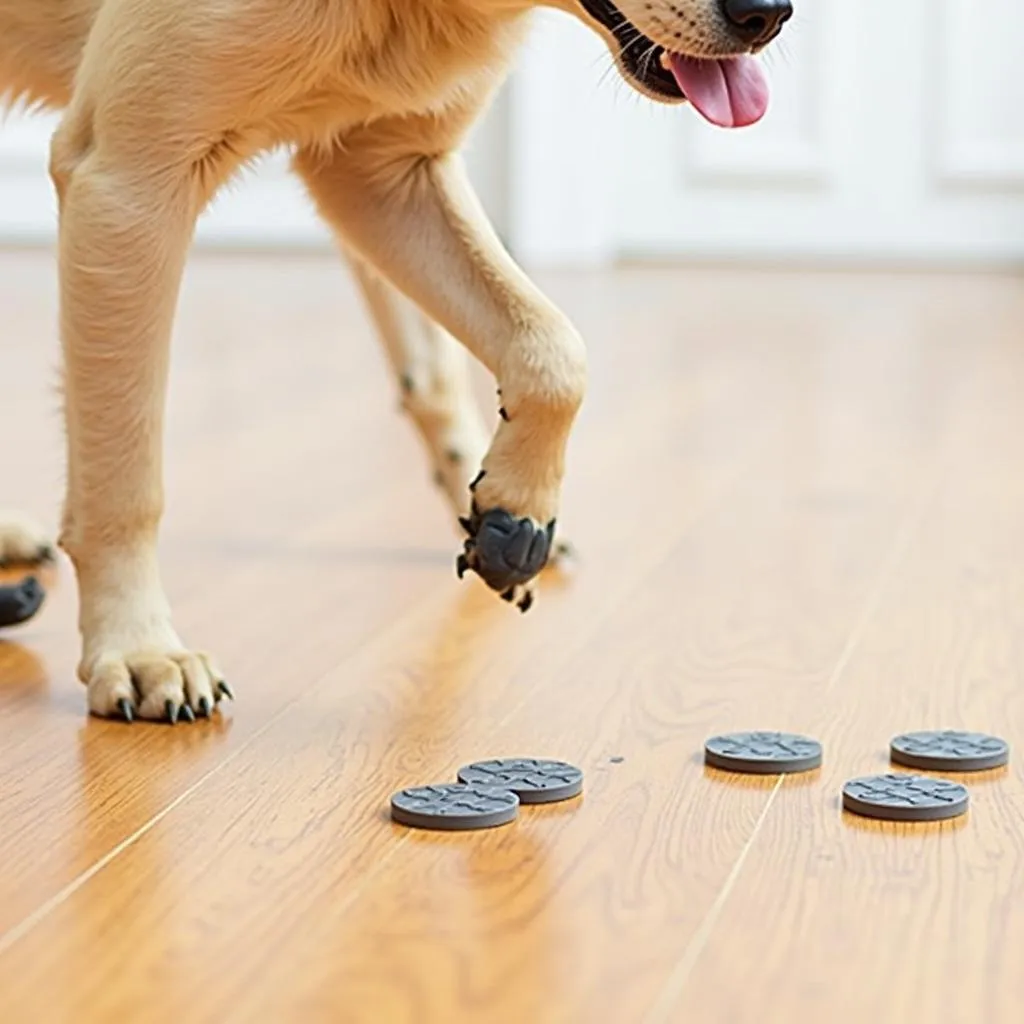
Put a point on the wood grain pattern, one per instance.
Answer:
(800, 510)
(896, 922)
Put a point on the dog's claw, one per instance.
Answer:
(461, 566)
(204, 707)
(124, 705)
(527, 602)
(186, 714)
(467, 524)
(509, 595)
(226, 690)
(171, 710)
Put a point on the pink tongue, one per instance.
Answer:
(731, 93)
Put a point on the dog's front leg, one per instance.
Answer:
(417, 220)
(125, 227)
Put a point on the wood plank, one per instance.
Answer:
(241, 444)
(585, 908)
(845, 919)
(276, 843)
(738, 493)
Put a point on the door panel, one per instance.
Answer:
(896, 131)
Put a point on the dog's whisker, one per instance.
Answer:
(646, 58)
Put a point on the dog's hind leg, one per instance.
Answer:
(22, 542)
(432, 371)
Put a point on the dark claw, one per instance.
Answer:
(226, 690)
(124, 705)
(509, 595)
(503, 414)
(171, 710)
(527, 602)
(186, 714)
(477, 479)
(508, 551)
(467, 524)
(461, 566)
(204, 707)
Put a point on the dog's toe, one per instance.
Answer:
(162, 686)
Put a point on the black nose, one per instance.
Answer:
(757, 21)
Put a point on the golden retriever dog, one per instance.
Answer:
(163, 101)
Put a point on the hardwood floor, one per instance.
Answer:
(798, 499)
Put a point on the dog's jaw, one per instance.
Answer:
(673, 54)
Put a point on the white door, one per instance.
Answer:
(896, 131)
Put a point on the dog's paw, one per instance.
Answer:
(506, 552)
(160, 685)
(22, 542)
(20, 601)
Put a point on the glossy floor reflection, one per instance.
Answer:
(797, 499)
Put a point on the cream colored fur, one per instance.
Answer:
(22, 541)
(163, 101)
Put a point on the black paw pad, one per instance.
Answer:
(20, 602)
(504, 551)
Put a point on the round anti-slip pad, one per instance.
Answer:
(454, 807)
(949, 751)
(533, 780)
(763, 753)
(905, 798)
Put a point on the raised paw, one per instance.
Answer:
(162, 686)
(506, 552)
(22, 542)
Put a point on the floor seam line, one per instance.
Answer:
(17, 932)
(911, 520)
(24, 927)
(677, 980)
(680, 975)
(725, 487)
